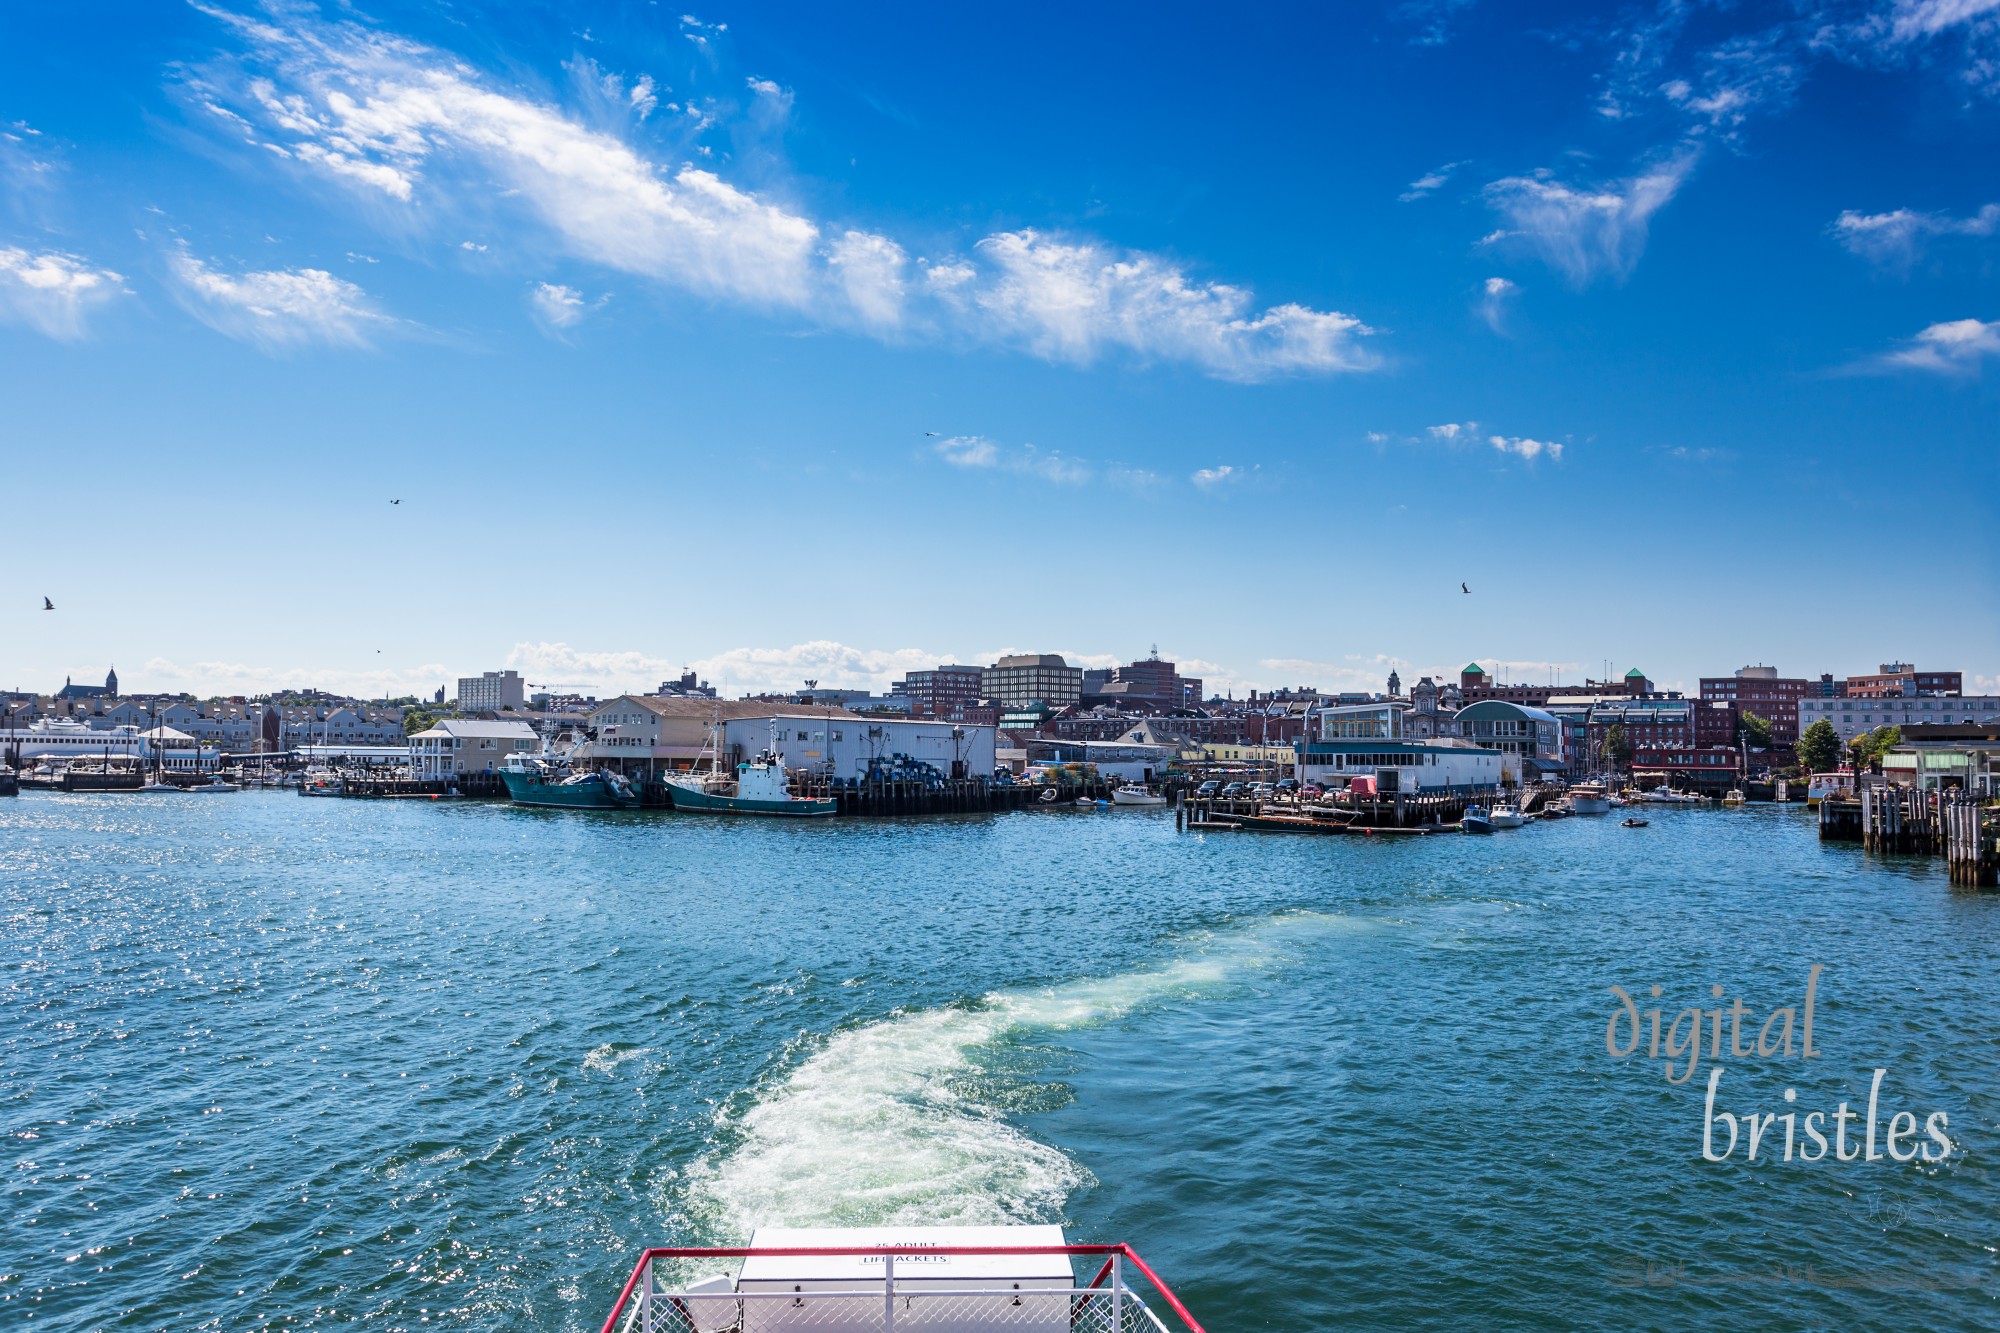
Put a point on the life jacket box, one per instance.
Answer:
(1007, 1282)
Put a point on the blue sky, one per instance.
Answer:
(787, 341)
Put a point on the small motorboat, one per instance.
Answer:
(216, 786)
(1505, 815)
(1091, 802)
(1734, 796)
(1476, 819)
(1668, 796)
(1633, 823)
(1134, 794)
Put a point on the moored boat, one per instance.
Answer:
(1135, 794)
(1664, 795)
(1505, 815)
(545, 781)
(762, 787)
(1476, 819)
(1828, 786)
(1734, 796)
(1589, 798)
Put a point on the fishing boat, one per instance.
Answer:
(1589, 798)
(1476, 819)
(1734, 796)
(320, 782)
(1506, 815)
(1828, 786)
(546, 780)
(761, 787)
(1134, 794)
(965, 1279)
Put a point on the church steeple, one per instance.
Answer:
(111, 682)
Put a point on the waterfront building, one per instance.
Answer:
(1410, 767)
(1936, 758)
(491, 692)
(1716, 768)
(1020, 680)
(1282, 759)
(1762, 691)
(1852, 716)
(1429, 716)
(1900, 680)
(463, 745)
(1530, 741)
(1715, 721)
(836, 744)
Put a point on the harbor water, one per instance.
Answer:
(269, 1063)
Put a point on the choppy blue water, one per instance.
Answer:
(271, 1063)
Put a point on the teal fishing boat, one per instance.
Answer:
(761, 787)
(535, 780)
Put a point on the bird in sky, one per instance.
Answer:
(930, 432)
(395, 502)
(1463, 588)
(48, 605)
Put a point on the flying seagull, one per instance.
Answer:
(395, 502)
(48, 605)
(930, 432)
(1463, 588)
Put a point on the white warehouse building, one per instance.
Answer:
(841, 745)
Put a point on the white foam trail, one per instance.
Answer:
(876, 1128)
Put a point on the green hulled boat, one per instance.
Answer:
(762, 787)
(532, 780)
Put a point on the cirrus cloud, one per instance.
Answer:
(277, 309)
(53, 291)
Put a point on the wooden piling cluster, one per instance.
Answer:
(1971, 843)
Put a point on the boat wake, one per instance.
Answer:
(885, 1124)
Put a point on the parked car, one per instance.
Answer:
(1288, 785)
(1313, 790)
(1209, 788)
(1263, 789)
(1232, 790)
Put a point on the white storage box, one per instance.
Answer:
(1002, 1286)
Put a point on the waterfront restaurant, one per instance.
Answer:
(1353, 741)
(1528, 740)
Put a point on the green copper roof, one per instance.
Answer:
(1635, 672)
(1474, 670)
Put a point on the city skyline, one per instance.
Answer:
(374, 348)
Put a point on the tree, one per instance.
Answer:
(1819, 747)
(418, 719)
(1869, 748)
(1754, 731)
(1617, 748)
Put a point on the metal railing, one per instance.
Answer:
(1107, 1304)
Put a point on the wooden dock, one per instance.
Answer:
(1410, 813)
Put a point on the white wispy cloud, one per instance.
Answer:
(1586, 232)
(558, 307)
(1523, 447)
(976, 451)
(1897, 238)
(1209, 478)
(216, 677)
(1428, 182)
(53, 291)
(278, 309)
(834, 665)
(416, 129)
(1072, 300)
(1451, 430)
(1954, 347)
(1495, 294)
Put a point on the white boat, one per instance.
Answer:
(1668, 796)
(1734, 796)
(947, 1279)
(1137, 795)
(1505, 815)
(1589, 798)
(214, 786)
(320, 782)
(1823, 786)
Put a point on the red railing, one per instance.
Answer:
(1107, 1252)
